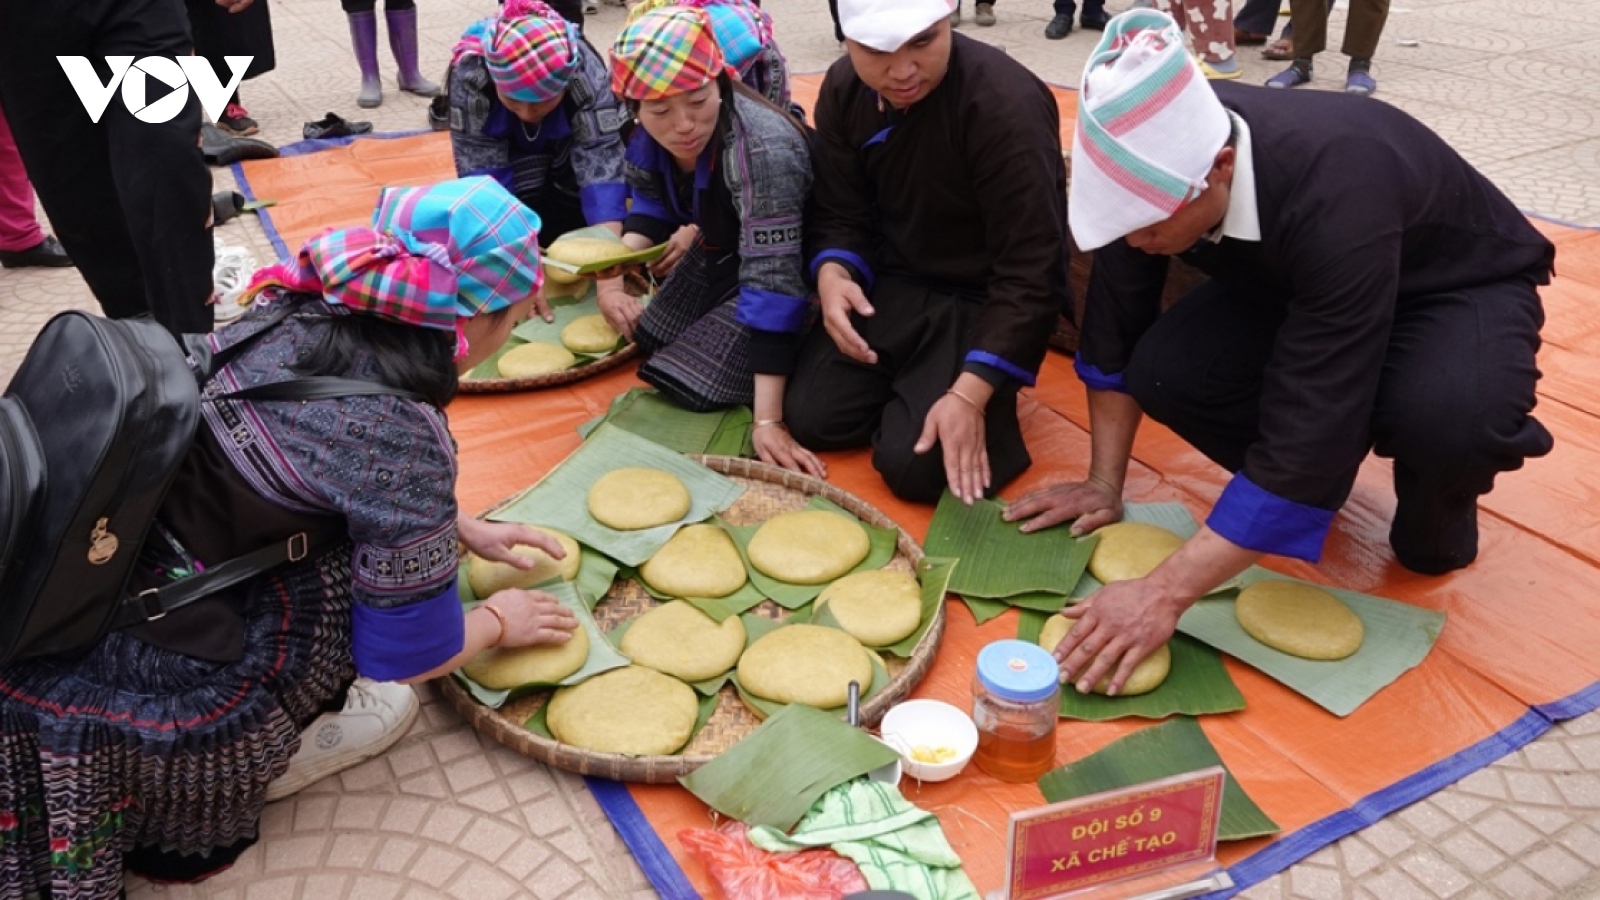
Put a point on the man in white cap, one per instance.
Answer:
(1370, 291)
(939, 248)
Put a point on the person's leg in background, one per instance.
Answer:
(1255, 22)
(400, 17)
(363, 20)
(1209, 24)
(1310, 21)
(219, 33)
(1061, 23)
(22, 242)
(156, 256)
(1361, 34)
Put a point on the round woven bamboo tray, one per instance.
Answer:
(554, 379)
(769, 491)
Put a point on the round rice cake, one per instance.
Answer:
(1299, 619)
(1146, 677)
(812, 546)
(558, 275)
(503, 668)
(699, 561)
(589, 334)
(634, 498)
(1130, 550)
(678, 639)
(581, 251)
(633, 710)
(809, 664)
(486, 577)
(876, 608)
(535, 359)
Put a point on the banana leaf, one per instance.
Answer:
(934, 574)
(645, 412)
(779, 770)
(1161, 751)
(1398, 637)
(536, 329)
(560, 499)
(997, 559)
(983, 610)
(625, 255)
(1199, 684)
(882, 541)
(603, 657)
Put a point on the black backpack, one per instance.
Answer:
(93, 428)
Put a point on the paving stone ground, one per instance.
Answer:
(1513, 84)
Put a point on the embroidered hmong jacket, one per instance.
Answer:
(577, 149)
(748, 195)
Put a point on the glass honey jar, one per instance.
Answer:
(1016, 697)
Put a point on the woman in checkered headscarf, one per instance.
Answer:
(531, 106)
(155, 750)
(711, 153)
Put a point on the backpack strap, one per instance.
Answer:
(155, 603)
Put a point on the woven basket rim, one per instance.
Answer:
(663, 769)
(554, 379)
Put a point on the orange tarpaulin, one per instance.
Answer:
(1517, 651)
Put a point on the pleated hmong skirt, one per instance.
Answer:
(133, 746)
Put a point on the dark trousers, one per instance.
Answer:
(130, 200)
(921, 337)
(1452, 407)
(1363, 27)
(1068, 7)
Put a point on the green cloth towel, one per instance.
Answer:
(896, 845)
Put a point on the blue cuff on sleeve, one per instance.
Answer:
(770, 310)
(1003, 364)
(405, 641)
(604, 202)
(1257, 519)
(848, 258)
(1096, 379)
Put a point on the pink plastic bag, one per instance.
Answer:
(746, 872)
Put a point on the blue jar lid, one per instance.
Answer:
(1018, 671)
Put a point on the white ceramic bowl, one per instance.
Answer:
(932, 723)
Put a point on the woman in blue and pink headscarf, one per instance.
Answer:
(153, 751)
(531, 106)
(709, 152)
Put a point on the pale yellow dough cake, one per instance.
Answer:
(503, 668)
(808, 664)
(699, 561)
(535, 359)
(1299, 619)
(679, 640)
(581, 251)
(877, 608)
(1130, 550)
(634, 498)
(1146, 677)
(633, 710)
(812, 546)
(589, 334)
(485, 577)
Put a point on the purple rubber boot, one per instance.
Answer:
(403, 41)
(364, 40)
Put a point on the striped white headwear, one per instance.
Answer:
(1149, 128)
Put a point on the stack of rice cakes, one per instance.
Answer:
(678, 651)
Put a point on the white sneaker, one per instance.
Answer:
(230, 275)
(376, 715)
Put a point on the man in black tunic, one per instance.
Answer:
(939, 250)
(1369, 290)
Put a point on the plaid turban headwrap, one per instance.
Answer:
(529, 49)
(1149, 128)
(741, 28)
(664, 53)
(433, 256)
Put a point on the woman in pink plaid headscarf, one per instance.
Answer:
(531, 106)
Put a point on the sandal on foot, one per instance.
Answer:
(1280, 50)
(1294, 76)
(1226, 70)
(1360, 82)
